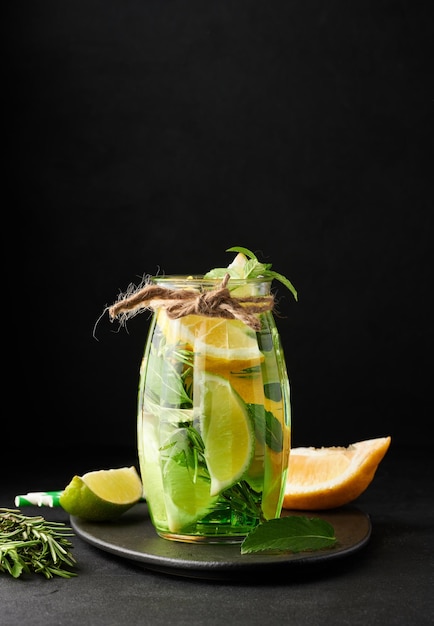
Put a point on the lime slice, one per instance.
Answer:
(227, 431)
(103, 494)
(176, 486)
(151, 473)
(154, 493)
(187, 496)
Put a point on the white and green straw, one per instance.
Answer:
(42, 498)
(39, 498)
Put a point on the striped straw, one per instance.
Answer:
(44, 498)
(39, 498)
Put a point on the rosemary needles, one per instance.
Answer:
(34, 545)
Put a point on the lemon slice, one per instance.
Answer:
(329, 477)
(227, 431)
(103, 494)
(214, 338)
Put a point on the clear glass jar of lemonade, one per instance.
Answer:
(213, 417)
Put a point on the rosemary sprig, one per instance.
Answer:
(34, 545)
(244, 499)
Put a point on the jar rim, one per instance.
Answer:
(199, 279)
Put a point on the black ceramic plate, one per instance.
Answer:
(133, 537)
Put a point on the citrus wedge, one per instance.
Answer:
(227, 431)
(213, 337)
(102, 495)
(178, 489)
(187, 498)
(326, 478)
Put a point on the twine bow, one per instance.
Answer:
(214, 303)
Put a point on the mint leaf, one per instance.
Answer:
(268, 429)
(245, 251)
(252, 269)
(273, 391)
(164, 379)
(293, 533)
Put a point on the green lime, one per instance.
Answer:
(154, 493)
(227, 431)
(187, 495)
(151, 473)
(103, 494)
(176, 484)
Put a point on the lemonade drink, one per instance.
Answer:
(213, 420)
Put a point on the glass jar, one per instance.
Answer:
(213, 413)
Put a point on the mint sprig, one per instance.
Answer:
(294, 533)
(253, 268)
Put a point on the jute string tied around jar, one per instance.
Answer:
(217, 302)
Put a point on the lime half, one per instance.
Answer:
(103, 494)
(227, 431)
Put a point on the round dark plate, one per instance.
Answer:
(133, 537)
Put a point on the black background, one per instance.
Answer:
(152, 135)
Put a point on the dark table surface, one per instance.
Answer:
(390, 580)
